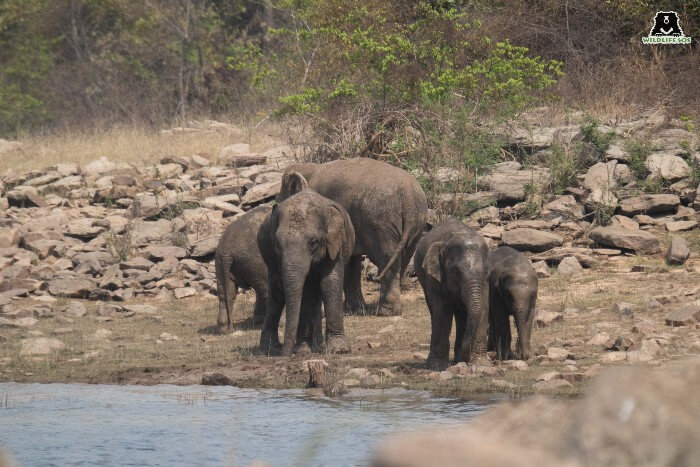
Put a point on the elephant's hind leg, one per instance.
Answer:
(354, 302)
(226, 289)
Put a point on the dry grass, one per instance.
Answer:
(137, 145)
(133, 353)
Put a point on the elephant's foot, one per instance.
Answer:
(389, 309)
(437, 364)
(270, 343)
(223, 329)
(258, 320)
(302, 349)
(337, 344)
(355, 306)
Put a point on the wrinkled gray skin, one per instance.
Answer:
(451, 263)
(239, 264)
(306, 243)
(513, 292)
(388, 210)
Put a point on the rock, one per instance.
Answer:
(599, 339)
(204, 248)
(569, 266)
(160, 252)
(216, 379)
(18, 323)
(9, 237)
(678, 251)
(166, 336)
(516, 364)
(502, 384)
(667, 166)
(638, 240)
(40, 346)
(75, 309)
(565, 205)
(141, 309)
(541, 269)
(84, 228)
(509, 185)
(358, 373)
(649, 204)
(102, 334)
(72, 287)
(677, 226)
(557, 354)
(601, 176)
(616, 152)
(233, 150)
(551, 385)
(261, 192)
(531, 239)
(183, 292)
(546, 318)
(624, 222)
(623, 309)
(684, 316)
(613, 357)
(99, 167)
(638, 356)
(25, 197)
(548, 376)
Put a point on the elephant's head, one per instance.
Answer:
(519, 293)
(307, 233)
(460, 265)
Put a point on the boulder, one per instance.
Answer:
(616, 152)
(73, 287)
(509, 185)
(678, 251)
(624, 222)
(623, 309)
(678, 226)
(99, 167)
(684, 316)
(569, 266)
(525, 239)
(667, 166)
(649, 204)
(261, 192)
(204, 248)
(601, 176)
(25, 197)
(638, 240)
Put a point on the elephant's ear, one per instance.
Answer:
(431, 262)
(296, 182)
(336, 231)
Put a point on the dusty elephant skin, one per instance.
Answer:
(239, 264)
(306, 242)
(451, 263)
(388, 210)
(512, 292)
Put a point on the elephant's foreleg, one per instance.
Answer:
(309, 332)
(332, 293)
(441, 326)
(354, 301)
(501, 333)
(269, 338)
(460, 313)
(260, 308)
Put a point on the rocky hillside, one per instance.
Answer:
(111, 231)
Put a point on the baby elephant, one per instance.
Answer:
(451, 263)
(513, 286)
(239, 264)
(306, 242)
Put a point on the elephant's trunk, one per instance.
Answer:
(294, 275)
(474, 296)
(524, 317)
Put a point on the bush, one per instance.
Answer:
(638, 151)
(590, 131)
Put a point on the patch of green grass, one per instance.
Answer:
(638, 150)
(590, 130)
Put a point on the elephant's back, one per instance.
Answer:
(238, 247)
(505, 260)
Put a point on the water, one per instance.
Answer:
(78, 424)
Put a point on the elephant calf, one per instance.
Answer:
(451, 263)
(513, 292)
(239, 264)
(306, 242)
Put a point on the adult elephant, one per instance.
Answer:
(452, 266)
(306, 242)
(388, 210)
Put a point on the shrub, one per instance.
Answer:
(638, 151)
(564, 163)
(590, 131)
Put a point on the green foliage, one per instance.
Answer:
(591, 133)
(687, 123)
(654, 185)
(564, 164)
(603, 213)
(638, 151)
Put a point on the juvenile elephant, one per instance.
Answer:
(388, 210)
(306, 242)
(239, 264)
(513, 292)
(451, 263)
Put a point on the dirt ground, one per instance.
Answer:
(133, 349)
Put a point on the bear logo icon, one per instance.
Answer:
(666, 24)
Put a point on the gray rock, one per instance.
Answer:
(678, 251)
(667, 166)
(569, 266)
(75, 309)
(649, 204)
(531, 239)
(25, 196)
(624, 222)
(601, 175)
(204, 248)
(684, 316)
(40, 346)
(73, 287)
(623, 309)
(261, 192)
(677, 226)
(638, 240)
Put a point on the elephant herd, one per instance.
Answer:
(306, 251)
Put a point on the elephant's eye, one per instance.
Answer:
(313, 244)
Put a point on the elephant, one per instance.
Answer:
(513, 292)
(388, 209)
(239, 264)
(306, 243)
(451, 263)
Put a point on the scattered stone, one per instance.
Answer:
(678, 251)
(517, 364)
(684, 316)
(358, 373)
(624, 222)
(18, 323)
(75, 309)
(678, 226)
(541, 269)
(569, 266)
(166, 336)
(599, 339)
(613, 357)
(649, 204)
(183, 292)
(623, 309)
(72, 287)
(667, 166)
(374, 344)
(317, 369)
(548, 376)
(547, 318)
(216, 379)
(557, 354)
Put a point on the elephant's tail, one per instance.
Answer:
(406, 231)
